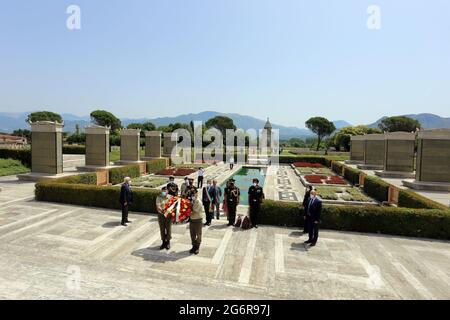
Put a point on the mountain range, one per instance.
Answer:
(10, 121)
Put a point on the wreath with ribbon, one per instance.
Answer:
(177, 209)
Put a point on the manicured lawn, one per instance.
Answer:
(342, 193)
(148, 182)
(10, 167)
(114, 155)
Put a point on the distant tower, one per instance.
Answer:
(268, 131)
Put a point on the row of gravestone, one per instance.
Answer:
(394, 155)
(46, 147)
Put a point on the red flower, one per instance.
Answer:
(307, 165)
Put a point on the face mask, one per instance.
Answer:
(255, 184)
(164, 194)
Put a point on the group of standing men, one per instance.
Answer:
(210, 205)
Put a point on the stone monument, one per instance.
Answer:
(97, 149)
(357, 148)
(46, 151)
(399, 155)
(46, 147)
(130, 146)
(152, 145)
(433, 161)
(373, 152)
(169, 144)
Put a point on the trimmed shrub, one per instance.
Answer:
(87, 178)
(352, 175)
(376, 188)
(95, 196)
(410, 199)
(116, 175)
(337, 167)
(388, 220)
(73, 149)
(23, 155)
(156, 165)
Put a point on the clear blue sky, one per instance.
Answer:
(286, 59)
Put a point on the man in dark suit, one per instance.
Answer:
(313, 211)
(207, 200)
(126, 199)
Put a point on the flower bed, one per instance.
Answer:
(324, 179)
(307, 170)
(315, 178)
(335, 180)
(342, 193)
(307, 165)
(178, 172)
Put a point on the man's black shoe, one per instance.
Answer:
(256, 226)
(128, 221)
(167, 245)
(312, 244)
(192, 250)
(123, 224)
(162, 246)
(307, 242)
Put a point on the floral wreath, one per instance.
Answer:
(177, 209)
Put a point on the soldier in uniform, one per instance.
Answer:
(172, 187)
(232, 195)
(190, 190)
(165, 225)
(255, 198)
(183, 187)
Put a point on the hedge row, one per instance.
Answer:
(116, 175)
(95, 196)
(351, 175)
(23, 155)
(73, 149)
(156, 165)
(410, 199)
(430, 223)
(376, 188)
(337, 167)
(86, 178)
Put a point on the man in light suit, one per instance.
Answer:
(313, 212)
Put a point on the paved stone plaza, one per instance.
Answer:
(41, 243)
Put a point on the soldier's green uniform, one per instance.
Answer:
(172, 189)
(165, 225)
(232, 195)
(190, 190)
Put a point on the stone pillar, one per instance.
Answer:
(357, 149)
(97, 146)
(169, 144)
(130, 145)
(399, 155)
(152, 145)
(46, 147)
(399, 151)
(373, 152)
(433, 156)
